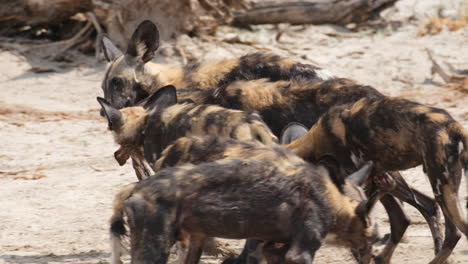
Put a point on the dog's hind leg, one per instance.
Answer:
(424, 204)
(195, 249)
(399, 222)
(445, 185)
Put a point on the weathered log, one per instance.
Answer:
(173, 17)
(15, 13)
(120, 17)
(339, 12)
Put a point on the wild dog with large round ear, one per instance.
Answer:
(122, 84)
(141, 48)
(132, 76)
(161, 120)
(143, 44)
(127, 124)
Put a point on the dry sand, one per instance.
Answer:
(58, 174)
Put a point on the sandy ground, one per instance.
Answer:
(57, 172)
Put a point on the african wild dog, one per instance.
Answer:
(398, 219)
(144, 131)
(295, 206)
(122, 84)
(198, 149)
(195, 150)
(148, 129)
(397, 134)
(282, 102)
(325, 95)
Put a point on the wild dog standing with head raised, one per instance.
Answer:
(397, 134)
(132, 76)
(282, 102)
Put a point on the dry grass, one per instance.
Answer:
(436, 24)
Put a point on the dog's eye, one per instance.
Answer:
(116, 84)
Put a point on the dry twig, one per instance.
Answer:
(452, 79)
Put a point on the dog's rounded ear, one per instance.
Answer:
(360, 176)
(291, 132)
(111, 52)
(144, 42)
(163, 97)
(112, 114)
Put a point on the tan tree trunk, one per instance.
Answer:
(311, 11)
(14, 13)
(193, 17)
(172, 17)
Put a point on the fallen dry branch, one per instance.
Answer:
(99, 33)
(119, 18)
(79, 38)
(311, 12)
(18, 13)
(57, 50)
(173, 17)
(61, 19)
(453, 80)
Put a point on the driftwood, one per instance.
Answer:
(17, 13)
(311, 12)
(173, 17)
(118, 17)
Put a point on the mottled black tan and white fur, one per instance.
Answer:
(397, 134)
(282, 102)
(132, 76)
(152, 127)
(234, 198)
(305, 101)
(196, 149)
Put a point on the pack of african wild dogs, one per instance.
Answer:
(277, 152)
